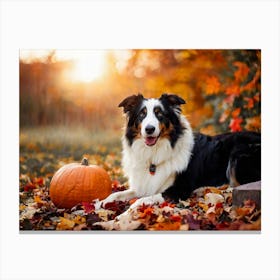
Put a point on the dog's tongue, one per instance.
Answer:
(150, 141)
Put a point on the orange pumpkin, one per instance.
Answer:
(79, 182)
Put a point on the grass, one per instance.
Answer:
(62, 135)
(44, 149)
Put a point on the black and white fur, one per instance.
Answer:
(158, 136)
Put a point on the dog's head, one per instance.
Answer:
(152, 119)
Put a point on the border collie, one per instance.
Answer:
(164, 159)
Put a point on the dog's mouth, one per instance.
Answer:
(150, 141)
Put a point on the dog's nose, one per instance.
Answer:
(150, 129)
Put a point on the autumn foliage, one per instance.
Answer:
(222, 88)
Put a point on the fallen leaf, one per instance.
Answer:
(166, 226)
(176, 218)
(203, 206)
(213, 198)
(147, 212)
(28, 212)
(38, 199)
(65, 224)
(88, 207)
(29, 187)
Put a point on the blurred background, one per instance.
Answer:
(71, 97)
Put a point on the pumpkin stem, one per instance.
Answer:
(84, 161)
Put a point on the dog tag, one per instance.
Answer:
(152, 169)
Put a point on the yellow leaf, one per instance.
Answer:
(65, 224)
(22, 207)
(79, 220)
(38, 199)
(203, 206)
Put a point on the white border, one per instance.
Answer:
(135, 24)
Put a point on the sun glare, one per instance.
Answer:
(87, 66)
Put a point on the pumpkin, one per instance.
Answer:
(79, 182)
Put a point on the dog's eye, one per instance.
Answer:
(158, 113)
(142, 115)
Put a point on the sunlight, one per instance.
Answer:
(88, 65)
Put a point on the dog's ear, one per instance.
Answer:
(131, 102)
(172, 99)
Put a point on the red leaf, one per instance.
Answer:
(219, 205)
(166, 203)
(117, 206)
(39, 181)
(236, 112)
(235, 124)
(175, 218)
(88, 207)
(222, 226)
(28, 187)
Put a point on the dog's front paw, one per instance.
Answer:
(98, 204)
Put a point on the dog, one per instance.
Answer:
(164, 160)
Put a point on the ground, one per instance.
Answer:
(209, 208)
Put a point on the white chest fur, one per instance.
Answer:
(138, 157)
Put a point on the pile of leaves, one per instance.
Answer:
(209, 208)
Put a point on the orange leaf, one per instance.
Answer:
(253, 123)
(251, 85)
(131, 201)
(213, 85)
(250, 103)
(167, 226)
(147, 212)
(233, 90)
(38, 199)
(242, 72)
(235, 113)
(242, 211)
